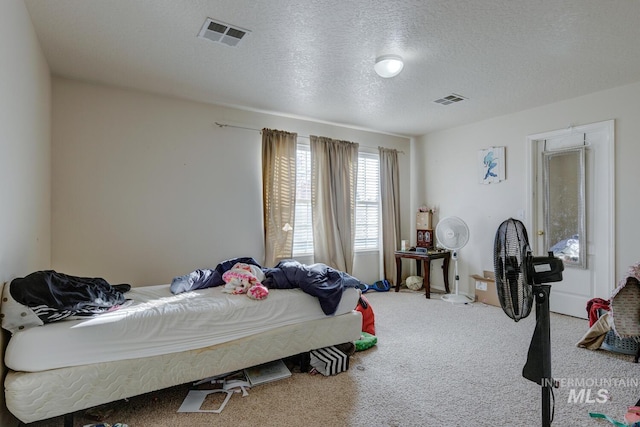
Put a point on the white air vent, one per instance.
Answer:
(220, 32)
(454, 97)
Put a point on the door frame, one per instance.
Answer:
(533, 209)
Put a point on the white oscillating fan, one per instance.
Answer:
(452, 233)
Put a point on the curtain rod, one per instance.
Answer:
(224, 125)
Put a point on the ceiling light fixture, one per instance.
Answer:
(388, 65)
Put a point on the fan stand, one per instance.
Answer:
(538, 366)
(456, 298)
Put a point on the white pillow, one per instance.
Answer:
(15, 316)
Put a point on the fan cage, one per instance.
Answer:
(452, 233)
(512, 284)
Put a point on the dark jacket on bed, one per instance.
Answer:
(54, 295)
(318, 280)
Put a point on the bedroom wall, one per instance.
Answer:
(449, 159)
(25, 153)
(146, 187)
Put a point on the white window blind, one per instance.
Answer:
(367, 224)
(367, 212)
(302, 228)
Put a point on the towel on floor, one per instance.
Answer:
(594, 337)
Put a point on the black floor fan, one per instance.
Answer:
(521, 277)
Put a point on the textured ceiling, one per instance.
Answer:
(314, 59)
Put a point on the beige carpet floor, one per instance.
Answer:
(435, 364)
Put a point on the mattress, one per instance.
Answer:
(158, 322)
(33, 396)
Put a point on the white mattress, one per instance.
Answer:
(159, 322)
(33, 396)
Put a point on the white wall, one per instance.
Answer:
(146, 187)
(24, 152)
(449, 159)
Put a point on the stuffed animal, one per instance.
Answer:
(245, 279)
(258, 291)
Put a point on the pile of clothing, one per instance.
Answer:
(620, 313)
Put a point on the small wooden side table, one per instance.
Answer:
(426, 258)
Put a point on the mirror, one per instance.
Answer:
(564, 205)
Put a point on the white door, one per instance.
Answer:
(579, 285)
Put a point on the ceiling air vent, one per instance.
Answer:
(220, 32)
(454, 97)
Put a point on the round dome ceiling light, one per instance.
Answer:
(388, 65)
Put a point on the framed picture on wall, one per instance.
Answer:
(491, 165)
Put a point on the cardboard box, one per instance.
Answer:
(485, 287)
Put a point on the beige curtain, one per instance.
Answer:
(390, 202)
(278, 193)
(334, 170)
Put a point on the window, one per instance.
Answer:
(367, 202)
(367, 214)
(302, 227)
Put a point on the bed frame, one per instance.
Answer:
(34, 396)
